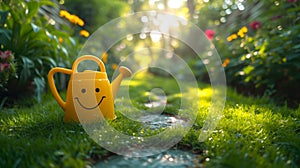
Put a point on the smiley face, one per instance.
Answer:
(84, 94)
(92, 93)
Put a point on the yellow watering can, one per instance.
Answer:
(88, 91)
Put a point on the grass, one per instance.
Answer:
(251, 133)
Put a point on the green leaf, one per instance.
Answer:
(39, 61)
(50, 60)
(15, 15)
(27, 64)
(33, 8)
(248, 69)
(2, 101)
(64, 50)
(292, 10)
(296, 46)
(3, 17)
(248, 78)
(72, 41)
(5, 36)
(47, 2)
(49, 35)
(291, 57)
(16, 34)
(40, 84)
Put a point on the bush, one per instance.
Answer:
(265, 59)
(37, 45)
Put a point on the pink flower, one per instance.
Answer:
(209, 34)
(4, 66)
(5, 54)
(8, 53)
(2, 55)
(255, 25)
(292, 1)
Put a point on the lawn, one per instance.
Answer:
(253, 132)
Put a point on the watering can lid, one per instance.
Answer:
(90, 75)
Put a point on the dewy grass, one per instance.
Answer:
(251, 133)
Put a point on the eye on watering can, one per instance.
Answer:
(90, 95)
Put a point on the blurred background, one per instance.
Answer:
(258, 42)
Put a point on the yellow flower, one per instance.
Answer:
(241, 34)
(72, 18)
(114, 66)
(244, 29)
(80, 22)
(226, 62)
(84, 33)
(229, 38)
(68, 16)
(104, 57)
(60, 40)
(63, 13)
(232, 37)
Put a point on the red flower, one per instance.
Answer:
(209, 34)
(4, 66)
(255, 25)
(8, 53)
(292, 1)
(5, 54)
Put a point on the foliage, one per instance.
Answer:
(36, 43)
(75, 20)
(252, 133)
(102, 11)
(258, 42)
(94, 14)
(267, 57)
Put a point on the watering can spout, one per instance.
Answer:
(124, 73)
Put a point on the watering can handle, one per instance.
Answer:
(88, 57)
(52, 84)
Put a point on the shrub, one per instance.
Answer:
(36, 42)
(265, 59)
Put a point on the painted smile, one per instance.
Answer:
(89, 108)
